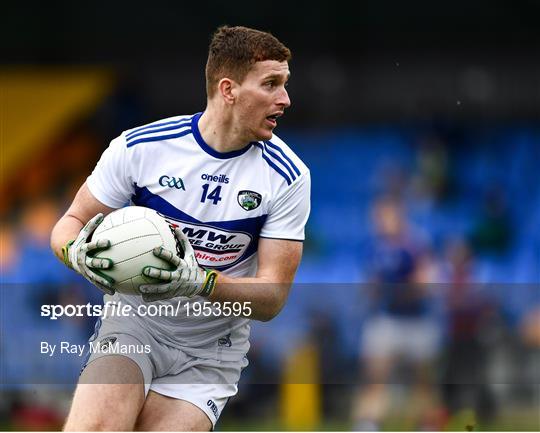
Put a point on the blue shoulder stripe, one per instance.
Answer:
(166, 128)
(161, 137)
(157, 125)
(275, 146)
(271, 164)
(283, 163)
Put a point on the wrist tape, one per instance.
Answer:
(209, 283)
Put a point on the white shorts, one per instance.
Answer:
(415, 339)
(206, 383)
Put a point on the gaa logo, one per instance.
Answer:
(249, 200)
(172, 182)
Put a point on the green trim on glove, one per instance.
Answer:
(65, 253)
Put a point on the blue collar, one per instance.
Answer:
(207, 148)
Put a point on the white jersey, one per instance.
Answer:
(224, 203)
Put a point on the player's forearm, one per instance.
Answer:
(266, 298)
(65, 230)
(84, 207)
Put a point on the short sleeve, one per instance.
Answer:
(290, 211)
(110, 182)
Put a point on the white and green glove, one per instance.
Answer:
(186, 279)
(77, 255)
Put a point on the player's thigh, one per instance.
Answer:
(161, 413)
(109, 396)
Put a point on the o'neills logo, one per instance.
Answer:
(214, 247)
(107, 343)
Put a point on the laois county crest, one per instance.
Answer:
(249, 200)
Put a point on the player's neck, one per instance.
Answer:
(219, 133)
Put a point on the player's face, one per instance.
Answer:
(262, 98)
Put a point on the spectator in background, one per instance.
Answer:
(492, 232)
(432, 179)
(530, 327)
(469, 312)
(399, 325)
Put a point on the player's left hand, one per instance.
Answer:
(186, 279)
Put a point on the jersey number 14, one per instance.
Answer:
(214, 195)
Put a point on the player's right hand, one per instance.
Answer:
(78, 255)
(186, 279)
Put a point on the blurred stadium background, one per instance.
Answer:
(421, 125)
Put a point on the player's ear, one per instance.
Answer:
(226, 90)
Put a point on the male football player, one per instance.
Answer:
(240, 198)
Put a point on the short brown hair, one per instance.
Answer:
(234, 50)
